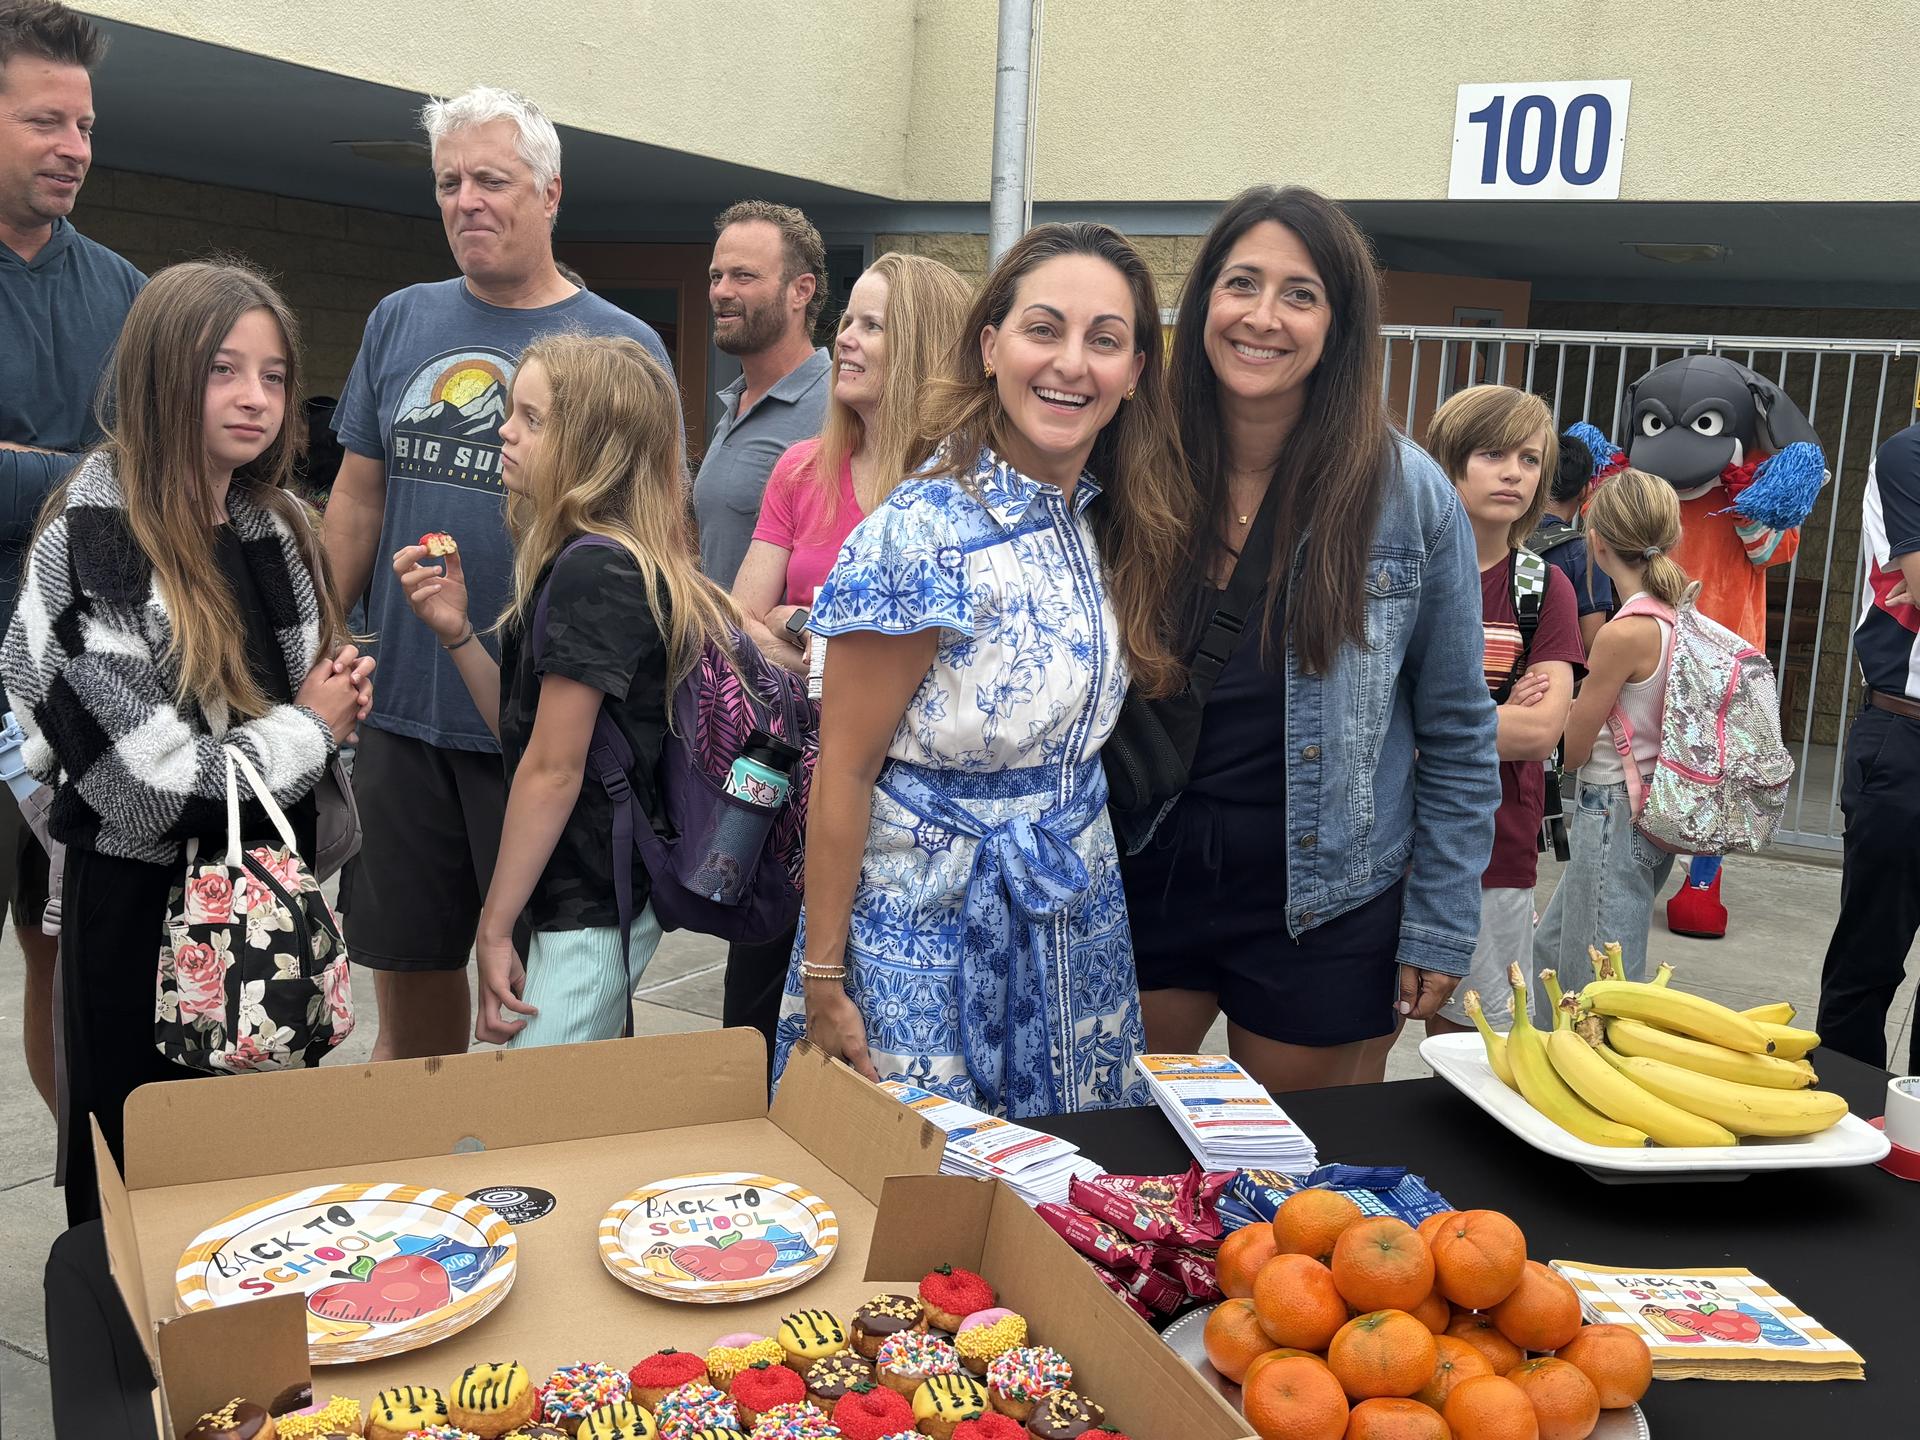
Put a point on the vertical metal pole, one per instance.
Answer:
(1826, 585)
(1853, 612)
(1012, 84)
(1559, 384)
(1413, 379)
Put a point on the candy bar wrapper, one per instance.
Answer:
(1254, 1195)
(1161, 1209)
(1201, 1201)
(1161, 1294)
(1140, 1206)
(1119, 1287)
(1097, 1240)
(1194, 1269)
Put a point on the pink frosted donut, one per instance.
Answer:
(739, 1340)
(983, 1317)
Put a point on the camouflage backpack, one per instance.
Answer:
(1720, 784)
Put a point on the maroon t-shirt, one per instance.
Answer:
(1523, 783)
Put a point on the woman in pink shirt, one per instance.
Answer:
(903, 314)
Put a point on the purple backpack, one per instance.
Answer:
(729, 868)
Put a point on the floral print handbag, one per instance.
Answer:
(253, 972)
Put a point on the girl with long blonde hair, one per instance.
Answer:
(1608, 888)
(590, 447)
(175, 602)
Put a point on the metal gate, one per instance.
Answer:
(1856, 393)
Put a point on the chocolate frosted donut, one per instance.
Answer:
(294, 1397)
(1064, 1415)
(882, 1316)
(235, 1420)
(829, 1379)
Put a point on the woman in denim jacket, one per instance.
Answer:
(1318, 880)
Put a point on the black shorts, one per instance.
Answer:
(1208, 908)
(430, 821)
(23, 865)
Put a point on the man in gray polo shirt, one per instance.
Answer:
(767, 286)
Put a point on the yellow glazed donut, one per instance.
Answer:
(621, 1420)
(944, 1401)
(810, 1335)
(491, 1399)
(405, 1407)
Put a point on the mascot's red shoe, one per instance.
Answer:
(1696, 910)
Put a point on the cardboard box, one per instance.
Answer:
(591, 1123)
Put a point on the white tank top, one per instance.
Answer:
(1640, 703)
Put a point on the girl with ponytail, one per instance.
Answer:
(1608, 890)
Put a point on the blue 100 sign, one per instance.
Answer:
(1529, 156)
(1545, 141)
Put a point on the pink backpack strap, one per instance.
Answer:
(1618, 725)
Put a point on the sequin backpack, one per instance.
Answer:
(1720, 784)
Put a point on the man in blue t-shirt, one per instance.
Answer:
(420, 423)
(62, 301)
(1880, 793)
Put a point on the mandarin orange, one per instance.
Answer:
(1295, 1399)
(1384, 1352)
(1381, 1263)
(1615, 1359)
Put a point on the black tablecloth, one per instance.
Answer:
(1842, 1244)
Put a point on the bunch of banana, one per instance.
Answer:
(1627, 1063)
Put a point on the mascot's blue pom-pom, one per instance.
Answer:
(1785, 486)
(1589, 435)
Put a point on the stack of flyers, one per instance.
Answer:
(1228, 1121)
(1038, 1168)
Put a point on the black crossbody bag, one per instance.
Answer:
(1149, 756)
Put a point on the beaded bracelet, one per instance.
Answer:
(823, 972)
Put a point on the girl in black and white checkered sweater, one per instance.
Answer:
(174, 601)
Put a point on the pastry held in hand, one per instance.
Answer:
(438, 544)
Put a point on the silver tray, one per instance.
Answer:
(1186, 1336)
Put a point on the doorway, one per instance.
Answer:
(666, 286)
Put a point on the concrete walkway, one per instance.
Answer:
(1784, 915)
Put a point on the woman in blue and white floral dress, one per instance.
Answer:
(965, 927)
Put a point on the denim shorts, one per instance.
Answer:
(1606, 891)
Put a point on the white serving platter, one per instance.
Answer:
(1461, 1060)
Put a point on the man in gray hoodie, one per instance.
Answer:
(62, 301)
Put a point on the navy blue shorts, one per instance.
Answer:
(1207, 901)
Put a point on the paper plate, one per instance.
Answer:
(385, 1268)
(717, 1238)
(1187, 1338)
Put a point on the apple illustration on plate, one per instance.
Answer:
(730, 1258)
(397, 1289)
